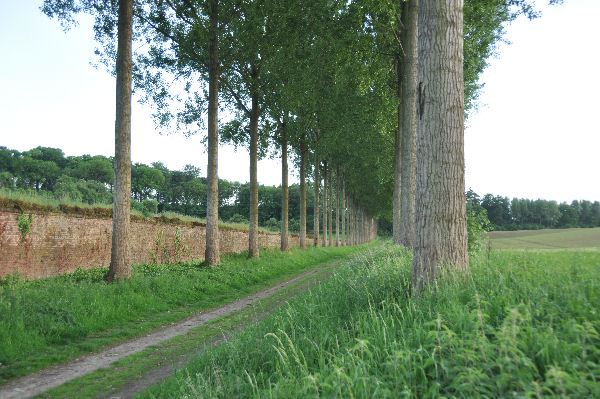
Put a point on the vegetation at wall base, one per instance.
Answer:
(522, 324)
(43, 322)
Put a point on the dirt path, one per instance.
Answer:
(52, 377)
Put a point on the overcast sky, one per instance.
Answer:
(535, 134)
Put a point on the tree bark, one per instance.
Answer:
(344, 238)
(330, 206)
(396, 201)
(441, 233)
(253, 250)
(316, 211)
(284, 186)
(361, 227)
(351, 221)
(337, 207)
(212, 251)
(120, 267)
(409, 124)
(325, 205)
(303, 191)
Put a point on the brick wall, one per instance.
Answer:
(59, 243)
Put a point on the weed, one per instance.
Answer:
(24, 224)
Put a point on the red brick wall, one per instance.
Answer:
(59, 243)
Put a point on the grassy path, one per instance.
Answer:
(53, 321)
(125, 369)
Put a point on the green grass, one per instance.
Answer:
(523, 324)
(45, 198)
(546, 239)
(108, 382)
(47, 321)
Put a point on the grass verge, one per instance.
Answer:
(135, 373)
(523, 324)
(48, 321)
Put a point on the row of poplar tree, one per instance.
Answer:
(369, 96)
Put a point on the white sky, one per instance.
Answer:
(535, 135)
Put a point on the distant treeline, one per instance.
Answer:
(527, 214)
(155, 188)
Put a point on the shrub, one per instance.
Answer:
(237, 218)
(477, 226)
(150, 206)
(273, 224)
(24, 225)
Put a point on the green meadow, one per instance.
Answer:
(546, 239)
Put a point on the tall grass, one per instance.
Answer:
(47, 321)
(523, 324)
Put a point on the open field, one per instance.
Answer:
(546, 239)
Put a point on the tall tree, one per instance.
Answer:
(441, 233)
(120, 266)
(330, 206)
(396, 202)
(325, 204)
(408, 118)
(284, 185)
(337, 208)
(316, 212)
(212, 251)
(303, 155)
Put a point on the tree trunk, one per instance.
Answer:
(212, 252)
(441, 233)
(303, 192)
(120, 267)
(396, 201)
(409, 124)
(337, 207)
(330, 207)
(360, 229)
(351, 221)
(253, 251)
(344, 238)
(284, 186)
(316, 211)
(325, 205)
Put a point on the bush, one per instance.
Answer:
(88, 191)
(294, 225)
(24, 225)
(7, 180)
(237, 218)
(477, 226)
(273, 224)
(146, 207)
(150, 206)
